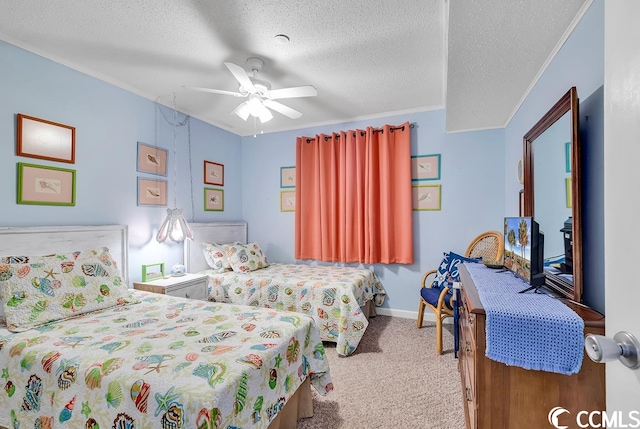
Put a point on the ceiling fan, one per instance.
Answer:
(260, 96)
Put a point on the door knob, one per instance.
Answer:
(624, 346)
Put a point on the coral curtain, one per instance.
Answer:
(353, 196)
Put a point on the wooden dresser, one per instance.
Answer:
(496, 395)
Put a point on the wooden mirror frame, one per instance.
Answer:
(568, 103)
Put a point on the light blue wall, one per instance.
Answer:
(472, 196)
(579, 63)
(109, 122)
(479, 185)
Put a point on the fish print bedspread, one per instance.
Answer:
(333, 296)
(166, 362)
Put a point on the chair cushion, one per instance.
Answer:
(431, 295)
(448, 270)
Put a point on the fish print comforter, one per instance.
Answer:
(165, 362)
(333, 296)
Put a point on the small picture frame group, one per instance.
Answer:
(152, 159)
(213, 199)
(288, 200)
(426, 197)
(152, 272)
(425, 167)
(213, 173)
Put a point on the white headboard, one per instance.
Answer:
(214, 232)
(43, 240)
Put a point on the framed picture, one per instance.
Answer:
(567, 184)
(288, 201)
(213, 200)
(44, 185)
(213, 173)
(567, 156)
(425, 167)
(38, 138)
(152, 272)
(152, 192)
(426, 197)
(152, 159)
(287, 177)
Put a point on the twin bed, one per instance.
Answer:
(149, 360)
(339, 299)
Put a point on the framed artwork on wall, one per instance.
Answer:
(152, 192)
(213, 200)
(152, 159)
(426, 197)
(39, 138)
(288, 201)
(44, 185)
(287, 177)
(425, 167)
(213, 173)
(152, 272)
(567, 156)
(567, 184)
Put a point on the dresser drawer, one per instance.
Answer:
(192, 286)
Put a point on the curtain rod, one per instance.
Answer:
(362, 133)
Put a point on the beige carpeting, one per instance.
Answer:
(393, 380)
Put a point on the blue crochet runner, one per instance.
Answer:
(530, 330)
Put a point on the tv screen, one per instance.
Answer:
(523, 249)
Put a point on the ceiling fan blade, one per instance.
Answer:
(293, 92)
(240, 74)
(281, 108)
(242, 110)
(215, 91)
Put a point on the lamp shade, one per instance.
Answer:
(175, 227)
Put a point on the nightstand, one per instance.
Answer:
(193, 286)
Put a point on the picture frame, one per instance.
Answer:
(42, 139)
(46, 185)
(288, 177)
(213, 200)
(152, 272)
(567, 185)
(152, 159)
(567, 156)
(213, 173)
(288, 201)
(152, 192)
(427, 197)
(425, 167)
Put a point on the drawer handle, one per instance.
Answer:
(468, 394)
(467, 346)
(470, 320)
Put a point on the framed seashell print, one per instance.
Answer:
(152, 192)
(213, 200)
(288, 201)
(213, 173)
(426, 197)
(287, 177)
(45, 185)
(425, 167)
(152, 159)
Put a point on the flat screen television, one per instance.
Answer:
(524, 250)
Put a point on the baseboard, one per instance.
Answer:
(428, 315)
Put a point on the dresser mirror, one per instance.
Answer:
(552, 193)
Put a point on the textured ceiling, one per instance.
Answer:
(366, 58)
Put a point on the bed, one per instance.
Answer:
(156, 361)
(339, 299)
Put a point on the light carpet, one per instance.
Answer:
(393, 380)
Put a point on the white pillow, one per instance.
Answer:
(215, 256)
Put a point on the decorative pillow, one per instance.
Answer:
(448, 269)
(60, 286)
(14, 259)
(246, 257)
(216, 257)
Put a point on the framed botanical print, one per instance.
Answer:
(425, 167)
(151, 159)
(213, 173)
(426, 197)
(213, 200)
(45, 185)
(152, 192)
